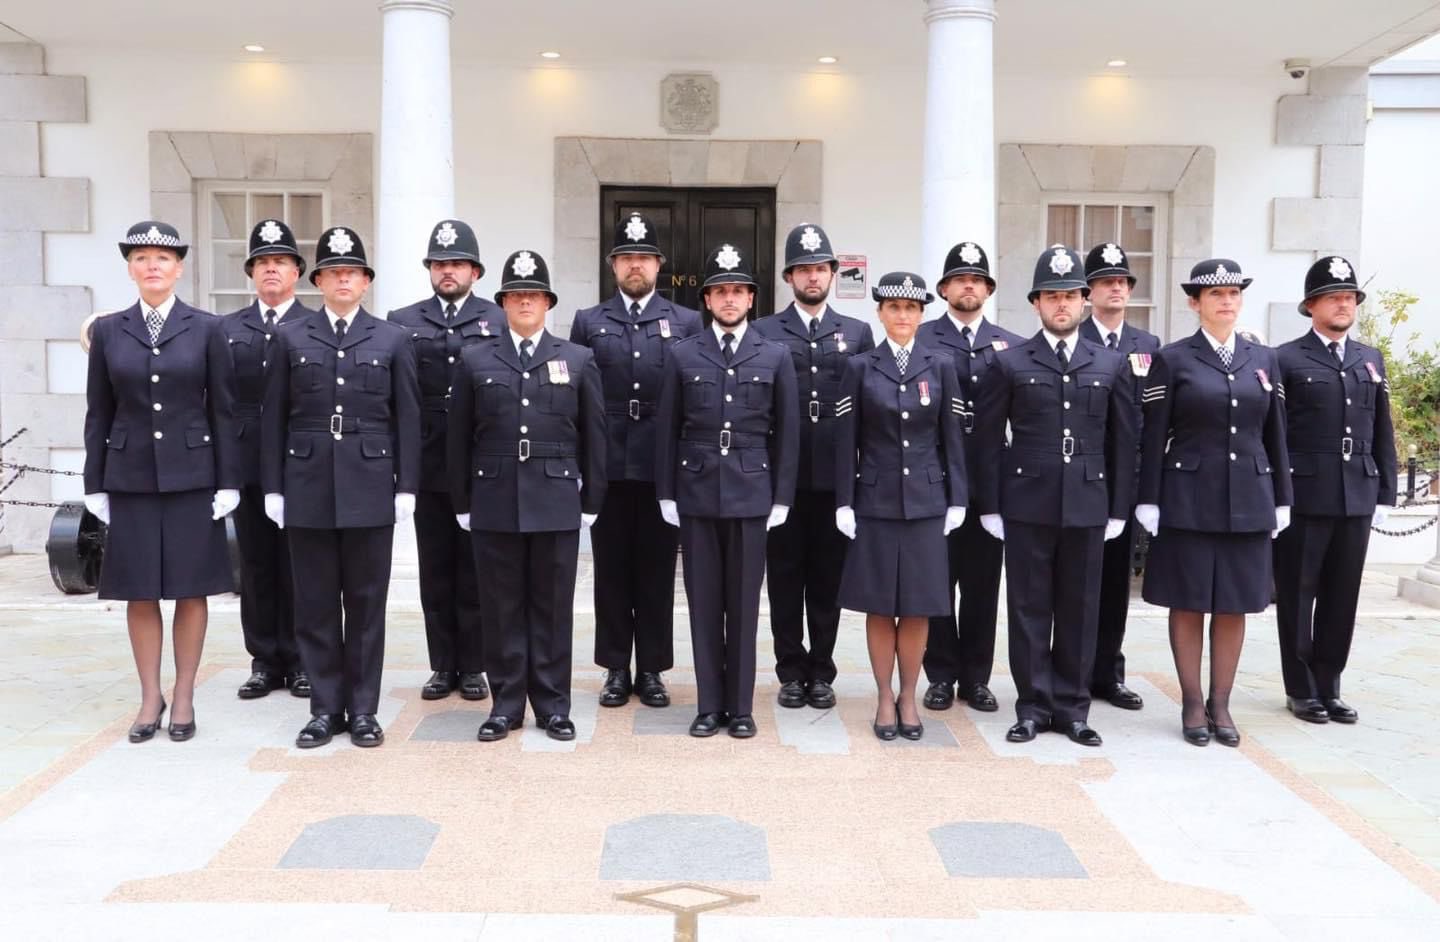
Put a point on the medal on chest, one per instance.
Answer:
(1374, 373)
(924, 392)
(665, 328)
(1264, 380)
(1140, 364)
(998, 345)
(559, 372)
(840, 341)
(484, 328)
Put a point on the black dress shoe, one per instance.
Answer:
(1340, 711)
(980, 698)
(144, 732)
(909, 732)
(472, 686)
(1123, 697)
(320, 730)
(439, 686)
(495, 729)
(1308, 709)
(1224, 735)
(1024, 731)
(1080, 732)
(791, 695)
(365, 731)
(821, 695)
(940, 695)
(1196, 735)
(179, 732)
(885, 732)
(300, 685)
(259, 684)
(557, 727)
(708, 724)
(652, 689)
(616, 691)
(743, 727)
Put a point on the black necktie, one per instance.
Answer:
(634, 311)
(902, 359)
(1335, 352)
(340, 329)
(1111, 341)
(525, 346)
(270, 316)
(965, 335)
(814, 327)
(1060, 355)
(450, 311)
(729, 346)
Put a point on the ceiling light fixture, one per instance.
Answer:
(549, 55)
(254, 47)
(827, 60)
(1117, 63)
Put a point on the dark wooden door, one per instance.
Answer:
(692, 223)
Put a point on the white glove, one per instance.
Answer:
(224, 502)
(993, 525)
(954, 517)
(845, 521)
(1113, 528)
(1381, 514)
(778, 513)
(99, 505)
(588, 519)
(1282, 520)
(579, 484)
(1148, 516)
(670, 513)
(275, 509)
(464, 521)
(404, 507)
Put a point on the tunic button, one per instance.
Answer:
(1177, 464)
(905, 443)
(1067, 405)
(1232, 430)
(728, 397)
(1347, 400)
(636, 327)
(905, 471)
(683, 462)
(635, 386)
(637, 354)
(292, 451)
(230, 340)
(567, 473)
(451, 359)
(154, 377)
(814, 394)
(1066, 459)
(339, 408)
(972, 356)
(267, 336)
(1309, 379)
(340, 354)
(1019, 470)
(524, 402)
(339, 381)
(449, 330)
(155, 351)
(1067, 431)
(480, 473)
(971, 403)
(904, 415)
(1230, 377)
(731, 371)
(338, 436)
(1347, 430)
(159, 434)
(727, 424)
(902, 387)
(524, 429)
(524, 375)
(1065, 379)
(157, 407)
(302, 359)
(814, 369)
(1234, 402)
(1232, 456)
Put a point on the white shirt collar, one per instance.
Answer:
(280, 309)
(626, 301)
(163, 308)
(896, 348)
(806, 318)
(458, 304)
(961, 325)
(1215, 344)
(1070, 341)
(1105, 332)
(534, 339)
(333, 317)
(1326, 341)
(739, 333)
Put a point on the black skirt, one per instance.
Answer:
(1223, 573)
(897, 568)
(164, 546)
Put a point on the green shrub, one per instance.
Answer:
(1413, 371)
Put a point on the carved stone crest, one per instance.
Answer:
(689, 103)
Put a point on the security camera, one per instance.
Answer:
(1297, 68)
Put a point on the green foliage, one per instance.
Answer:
(1413, 370)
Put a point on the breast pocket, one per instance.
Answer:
(1364, 389)
(757, 385)
(1311, 385)
(609, 345)
(243, 354)
(307, 368)
(1034, 390)
(1097, 393)
(557, 398)
(492, 390)
(375, 372)
(699, 389)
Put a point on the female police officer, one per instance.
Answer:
(899, 424)
(159, 441)
(1214, 490)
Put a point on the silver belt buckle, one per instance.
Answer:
(635, 409)
(725, 439)
(814, 410)
(1067, 446)
(335, 421)
(969, 419)
(524, 451)
(1347, 447)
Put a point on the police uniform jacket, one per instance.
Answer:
(250, 344)
(1214, 456)
(437, 346)
(1138, 347)
(972, 364)
(1338, 428)
(632, 359)
(341, 422)
(899, 442)
(520, 439)
(1070, 461)
(819, 371)
(728, 439)
(160, 417)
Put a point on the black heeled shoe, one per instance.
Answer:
(887, 731)
(1196, 735)
(1225, 735)
(911, 733)
(180, 732)
(144, 732)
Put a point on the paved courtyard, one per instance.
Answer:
(635, 831)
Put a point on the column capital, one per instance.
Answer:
(958, 9)
(425, 6)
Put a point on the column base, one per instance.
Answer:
(1424, 586)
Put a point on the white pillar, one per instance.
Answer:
(958, 189)
(1424, 586)
(417, 149)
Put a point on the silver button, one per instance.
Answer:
(1230, 377)
(813, 345)
(1234, 402)
(814, 369)
(338, 436)
(1177, 464)
(1018, 470)
(731, 371)
(480, 473)
(1232, 430)
(1065, 379)
(524, 402)
(525, 375)
(267, 336)
(636, 327)
(683, 462)
(971, 403)
(727, 424)
(567, 473)
(340, 354)
(1232, 456)
(156, 407)
(1066, 459)
(159, 434)
(451, 359)
(302, 359)
(524, 429)
(154, 377)
(1067, 431)
(905, 471)
(905, 443)
(637, 354)
(1347, 430)
(1347, 400)
(728, 397)
(339, 408)
(292, 451)
(972, 356)
(635, 386)
(814, 394)
(155, 350)
(904, 415)
(339, 381)
(449, 330)
(902, 387)
(1067, 405)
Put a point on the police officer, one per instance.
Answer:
(526, 468)
(1055, 494)
(1342, 464)
(960, 649)
(340, 465)
(635, 551)
(805, 555)
(1107, 272)
(439, 327)
(267, 615)
(727, 450)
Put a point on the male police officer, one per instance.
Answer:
(439, 328)
(1107, 273)
(1342, 463)
(340, 464)
(960, 650)
(526, 468)
(805, 554)
(635, 551)
(1055, 495)
(727, 448)
(267, 615)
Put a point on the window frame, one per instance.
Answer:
(1159, 303)
(207, 191)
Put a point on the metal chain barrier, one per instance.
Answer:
(1418, 527)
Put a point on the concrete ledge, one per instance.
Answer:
(1302, 223)
(44, 204)
(22, 58)
(42, 312)
(1424, 586)
(19, 149)
(1316, 119)
(42, 98)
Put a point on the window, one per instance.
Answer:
(228, 211)
(1135, 223)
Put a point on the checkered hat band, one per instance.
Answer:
(912, 293)
(146, 238)
(1217, 278)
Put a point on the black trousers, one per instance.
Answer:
(267, 615)
(803, 562)
(724, 567)
(962, 649)
(529, 619)
(344, 580)
(449, 586)
(635, 552)
(1052, 589)
(1318, 566)
(1115, 581)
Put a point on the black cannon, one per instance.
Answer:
(76, 549)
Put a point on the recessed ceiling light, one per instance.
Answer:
(827, 60)
(254, 47)
(549, 55)
(1117, 63)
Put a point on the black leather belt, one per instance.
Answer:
(634, 408)
(336, 424)
(524, 449)
(1344, 446)
(724, 439)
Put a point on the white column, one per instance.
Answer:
(417, 149)
(1424, 586)
(958, 189)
